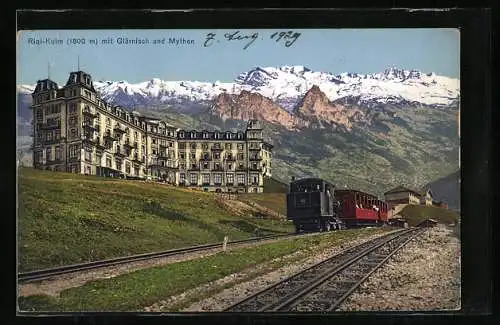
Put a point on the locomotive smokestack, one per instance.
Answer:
(293, 178)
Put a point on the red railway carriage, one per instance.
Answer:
(359, 208)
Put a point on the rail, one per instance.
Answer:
(318, 287)
(37, 275)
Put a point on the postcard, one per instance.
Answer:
(238, 170)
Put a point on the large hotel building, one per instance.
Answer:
(74, 130)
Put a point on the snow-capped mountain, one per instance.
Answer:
(286, 85)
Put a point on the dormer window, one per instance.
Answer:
(181, 134)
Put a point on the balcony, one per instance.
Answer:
(255, 169)
(217, 169)
(206, 158)
(255, 158)
(230, 158)
(194, 168)
(50, 126)
(217, 183)
(129, 145)
(121, 153)
(89, 126)
(163, 155)
(241, 168)
(216, 148)
(230, 184)
(119, 130)
(109, 136)
(52, 141)
(254, 149)
(89, 113)
(205, 184)
(138, 160)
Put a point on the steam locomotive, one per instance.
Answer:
(314, 204)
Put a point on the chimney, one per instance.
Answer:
(293, 178)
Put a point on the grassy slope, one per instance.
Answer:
(272, 185)
(67, 218)
(273, 201)
(417, 213)
(274, 196)
(131, 292)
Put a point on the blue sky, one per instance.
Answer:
(333, 50)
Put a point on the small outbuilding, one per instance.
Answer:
(428, 223)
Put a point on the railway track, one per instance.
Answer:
(38, 275)
(324, 286)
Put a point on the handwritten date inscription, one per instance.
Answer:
(286, 38)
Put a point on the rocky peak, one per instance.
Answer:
(316, 106)
(247, 105)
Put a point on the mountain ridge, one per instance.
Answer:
(287, 85)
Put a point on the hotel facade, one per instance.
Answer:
(74, 130)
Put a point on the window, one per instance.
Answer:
(230, 178)
(108, 121)
(49, 136)
(182, 178)
(39, 156)
(73, 133)
(193, 145)
(205, 165)
(228, 146)
(241, 166)
(204, 146)
(241, 156)
(58, 153)
(182, 155)
(230, 166)
(73, 120)
(154, 151)
(240, 146)
(255, 179)
(72, 108)
(39, 115)
(194, 178)
(98, 156)
(216, 155)
(49, 154)
(127, 167)
(241, 179)
(154, 141)
(182, 145)
(108, 161)
(218, 178)
(88, 154)
(73, 151)
(206, 178)
(193, 156)
(183, 166)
